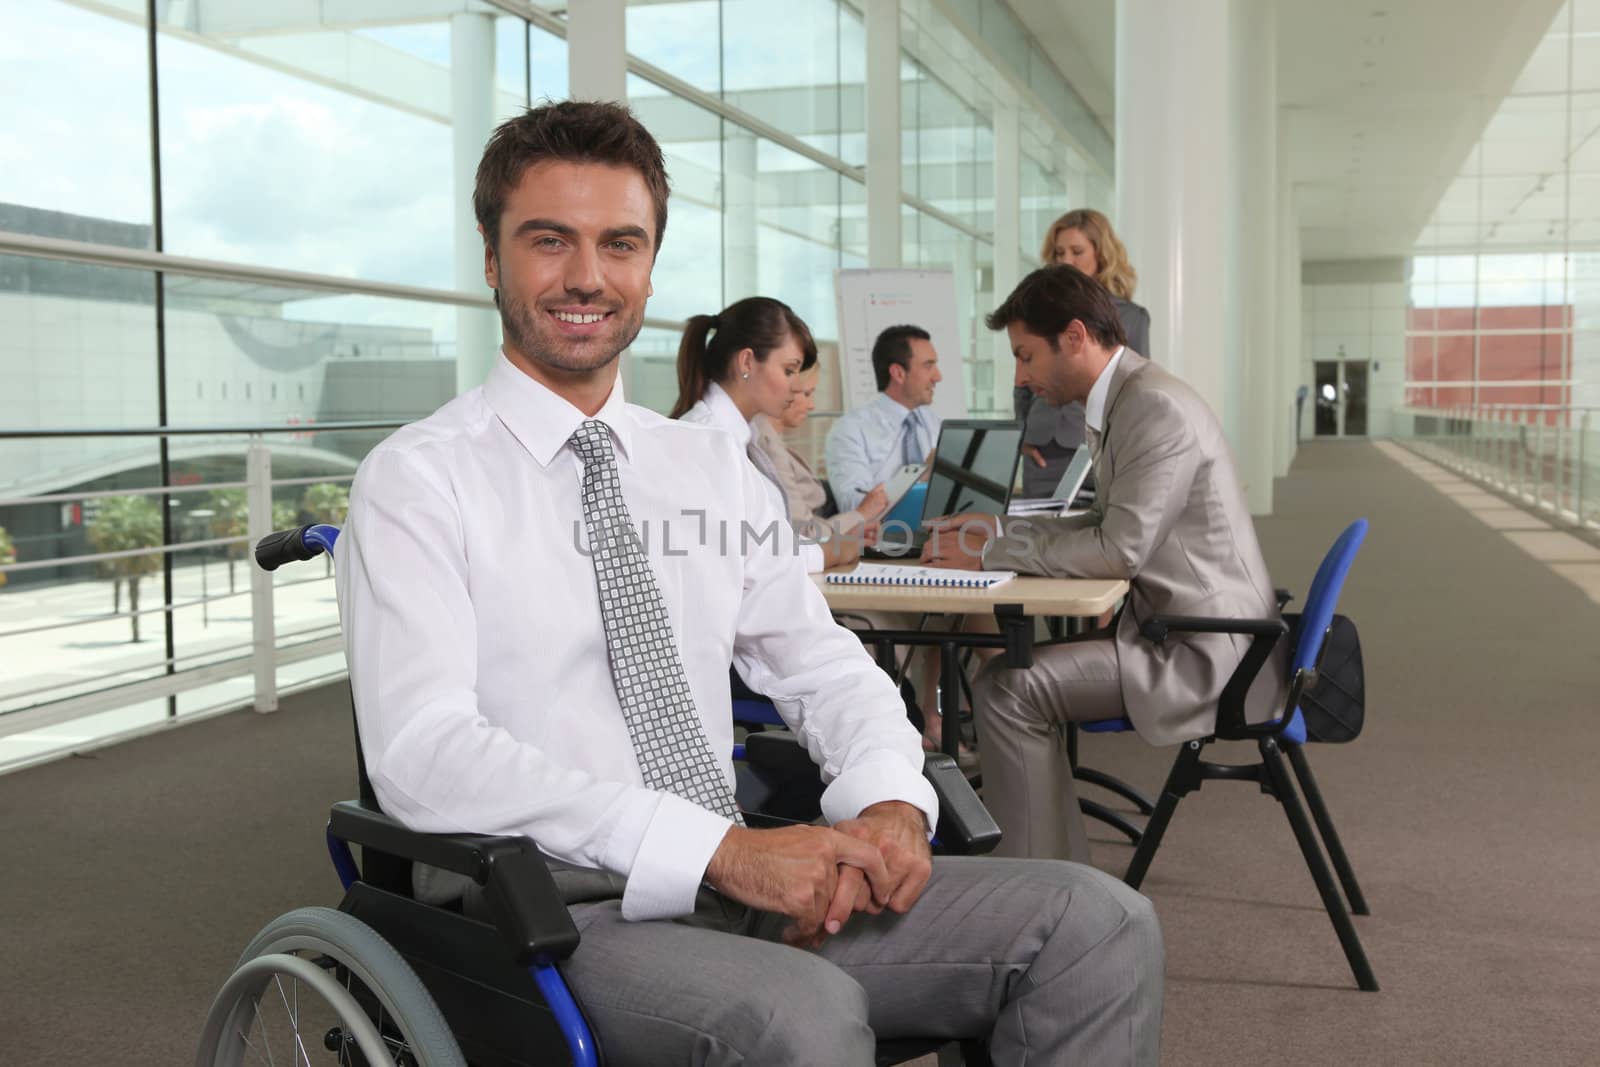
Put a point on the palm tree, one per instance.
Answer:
(230, 518)
(125, 524)
(8, 552)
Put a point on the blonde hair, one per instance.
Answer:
(1115, 272)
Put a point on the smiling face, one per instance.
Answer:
(802, 403)
(917, 379)
(1075, 249)
(573, 269)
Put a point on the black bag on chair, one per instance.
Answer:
(1335, 707)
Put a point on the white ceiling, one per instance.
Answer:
(1383, 100)
(1533, 180)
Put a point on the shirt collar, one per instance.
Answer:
(542, 421)
(1094, 408)
(894, 411)
(725, 414)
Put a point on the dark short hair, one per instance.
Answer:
(893, 349)
(1051, 297)
(573, 131)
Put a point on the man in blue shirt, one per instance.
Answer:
(868, 444)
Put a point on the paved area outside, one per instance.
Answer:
(62, 640)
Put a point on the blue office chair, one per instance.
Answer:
(1285, 734)
(389, 979)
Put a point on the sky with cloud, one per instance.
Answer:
(265, 167)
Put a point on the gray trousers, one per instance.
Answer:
(1027, 783)
(1060, 963)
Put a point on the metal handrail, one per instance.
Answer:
(1533, 453)
(203, 431)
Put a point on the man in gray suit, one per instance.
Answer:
(1169, 516)
(1052, 433)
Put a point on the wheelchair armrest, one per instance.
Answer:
(518, 888)
(965, 826)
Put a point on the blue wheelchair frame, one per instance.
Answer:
(307, 543)
(447, 949)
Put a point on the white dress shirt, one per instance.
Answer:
(717, 409)
(867, 445)
(1094, 408)
(477, 651)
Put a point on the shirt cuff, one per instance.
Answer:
(880, 777)
(671, 862)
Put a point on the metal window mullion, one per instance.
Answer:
(700, 98)
(22, 244)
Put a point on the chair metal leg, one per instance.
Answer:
(1179, 782)
(1283, 789)
(1330, 836)
(1116, 785)
(1113, 819)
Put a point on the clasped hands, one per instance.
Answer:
(819, 876)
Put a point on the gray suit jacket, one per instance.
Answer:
(1044, 423)
(1170, 517)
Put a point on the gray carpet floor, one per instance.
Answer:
(133, 875)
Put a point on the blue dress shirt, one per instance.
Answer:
(866, 446)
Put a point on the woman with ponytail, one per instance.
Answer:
(744, 363)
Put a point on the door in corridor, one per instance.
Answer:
(1341, 397)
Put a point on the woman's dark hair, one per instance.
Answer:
(1051, 297)
(710, 342)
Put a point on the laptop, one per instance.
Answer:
(1066, 497)
(974, 469)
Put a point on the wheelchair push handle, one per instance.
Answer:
(290, 546)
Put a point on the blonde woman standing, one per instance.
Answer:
(1083, 239)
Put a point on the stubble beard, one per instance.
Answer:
(528, 334)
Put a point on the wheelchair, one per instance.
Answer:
(385, 979)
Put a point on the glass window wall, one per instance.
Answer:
(294, 139)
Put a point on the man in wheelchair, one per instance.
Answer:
(542, 587)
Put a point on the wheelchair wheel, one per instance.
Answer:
(319, 986)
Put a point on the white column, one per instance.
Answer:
(1176, 170)
(740, 198)
(1257, 222)
(597, 50)
(882, 19)
(263, 621)
(1007, 235)
(1289, 295)
(471, 120)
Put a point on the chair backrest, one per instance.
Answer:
(1318, 612)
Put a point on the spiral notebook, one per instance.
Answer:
(927, 577)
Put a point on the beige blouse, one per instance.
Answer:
(804, 489)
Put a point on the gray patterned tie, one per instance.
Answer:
(668, 736)
(910, 447)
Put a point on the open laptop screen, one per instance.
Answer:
(974, 467)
